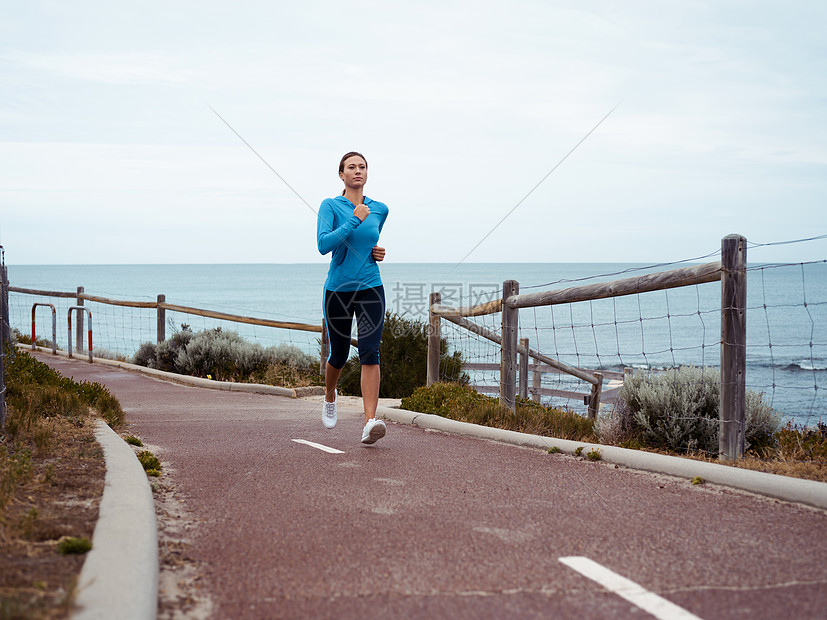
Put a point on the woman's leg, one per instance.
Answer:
(338, 314)
(331, 379)
(370, 320)
(370, 389)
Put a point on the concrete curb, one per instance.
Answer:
(809, 492)
(119, 578)
(229, 386)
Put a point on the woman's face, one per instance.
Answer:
(355, 172)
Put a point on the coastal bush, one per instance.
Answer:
(465, 404)
(403, 355)
(145, 355)
(224, 355)
(168, 351)
(678, 410)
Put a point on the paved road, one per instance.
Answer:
(430, 525)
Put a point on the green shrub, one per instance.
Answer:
(678, 410)
(74, 545)
(110, 409)
(443, 399)
(149, 461)
(463, 403)
(403, 355)
(35, 389)
(134, 441)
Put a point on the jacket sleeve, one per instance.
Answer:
(328, 238)
(382, 222)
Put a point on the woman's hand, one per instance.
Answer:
(378, 253)
(361, 211)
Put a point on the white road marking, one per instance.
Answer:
(319, 446)
(632, 592)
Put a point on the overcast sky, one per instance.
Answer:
(110, 153)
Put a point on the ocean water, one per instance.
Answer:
(786, 316)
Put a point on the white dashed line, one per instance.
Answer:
(632, 592)
(319, 446)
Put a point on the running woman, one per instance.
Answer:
(349, 226)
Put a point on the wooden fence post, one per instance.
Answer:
(325, 352)
(162, 320)
(594, 397)
(434, 337)
(508, 348)
(524, 358)
(79, 325)
(733, 347)
(536, 384)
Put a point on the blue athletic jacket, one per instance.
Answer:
(352, 268)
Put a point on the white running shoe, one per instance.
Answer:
(329, 411)
(374, 431)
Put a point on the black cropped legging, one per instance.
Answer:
(369, 307)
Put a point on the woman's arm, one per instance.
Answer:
(328, 238)
(378, 253)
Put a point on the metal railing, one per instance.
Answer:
(80, 310)
(54, 326)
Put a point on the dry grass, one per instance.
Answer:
(806, 469)
(51, 479)
(810, 470)
(286, 375)
(57, 497)
(463, 403)
(797, 452)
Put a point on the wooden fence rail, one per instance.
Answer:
(161, 306)
(685, 276)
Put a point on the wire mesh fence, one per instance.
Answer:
(120, 330)
(786, 347)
